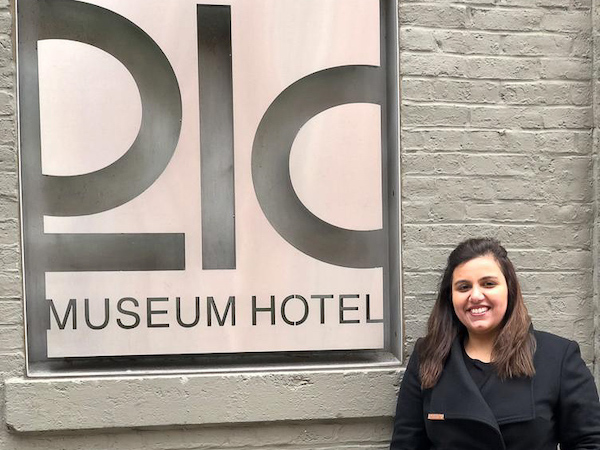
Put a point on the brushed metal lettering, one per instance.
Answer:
(216, 137)
(282, 121)
(104, 189)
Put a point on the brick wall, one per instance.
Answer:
(496, 133)
(497, 118)
(596, 183)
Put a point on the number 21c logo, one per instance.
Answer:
(148, 156)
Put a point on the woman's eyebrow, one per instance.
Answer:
(489, 277)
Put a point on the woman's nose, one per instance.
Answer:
(477, 294)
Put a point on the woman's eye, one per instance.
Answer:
(489, 284)
(463, 287)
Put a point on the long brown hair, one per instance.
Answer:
(512, 354)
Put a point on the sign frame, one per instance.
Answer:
(39, 365)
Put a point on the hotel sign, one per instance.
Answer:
(203, 177)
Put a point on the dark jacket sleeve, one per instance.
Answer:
(578, 409)
(409, 426)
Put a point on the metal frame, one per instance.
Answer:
(391, 356)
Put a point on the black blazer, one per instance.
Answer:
(558, 405)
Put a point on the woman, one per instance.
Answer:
(483, 379)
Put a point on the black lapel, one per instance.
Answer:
(456, 395)
(510, 400)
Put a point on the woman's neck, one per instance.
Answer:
(480, 347)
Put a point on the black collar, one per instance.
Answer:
(456, 395)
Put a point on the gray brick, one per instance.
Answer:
(417, 39)
(7, 77)
(422, 283)
(468, 42)
(504, 68)
(568, 117)
(9, 185)
(453, 140)
(132, 440)
(5, 22)
(505, 141)
(532, 117)
(496, 212)
(417, 89)
(556, 283)
(8, 131)
(582, 46)
(415, 258)
(415, 327)
(419, 306)
(571, 166)
(566, 189)
(564, 141)
(506, 19)
(581, 94)
(431, 115)
(11, 312)
(561, 305)
(7, 103)
(537, 44)
(569, 213)
(530, 3)
(432, 65)
(457, 91)
(299, 435)
(566, 69)
(524, 236)
(11, 338)
(10, 285)
(507, 117)
(542, 259)
(486, 189)
(9, 207)
(10, 258)
(497, 68)
(469, 164)
(465, 2)
(9, 232)
(502, 212)
(436, 212)
(546, 93)
(6, 49)
(8, 159)
(433, 15)
(567, 21)
(596, 87)
(13, 365)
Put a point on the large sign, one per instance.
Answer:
(203, 177)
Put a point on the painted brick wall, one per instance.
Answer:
(497, 118)
(496, 132)
(596, 182)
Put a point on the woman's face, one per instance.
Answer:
(480, 295)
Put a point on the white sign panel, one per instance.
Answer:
(202, 177)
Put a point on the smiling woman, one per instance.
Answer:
(482, 378)
(480, 299)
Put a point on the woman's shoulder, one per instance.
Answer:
(550, 347)
(549, 341)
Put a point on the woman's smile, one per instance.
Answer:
(480, 311)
